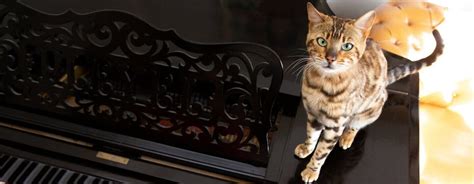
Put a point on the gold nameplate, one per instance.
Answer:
(112, 157)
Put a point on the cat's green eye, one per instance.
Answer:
(347, 46)
(321, 42)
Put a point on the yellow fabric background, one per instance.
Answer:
(446, 88)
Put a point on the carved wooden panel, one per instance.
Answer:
(113, 71)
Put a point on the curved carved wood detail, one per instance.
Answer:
(113, 71)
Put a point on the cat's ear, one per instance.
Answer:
(365, 22)
(314, 15)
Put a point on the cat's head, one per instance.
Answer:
(335, 44)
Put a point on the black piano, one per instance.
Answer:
(44, 143)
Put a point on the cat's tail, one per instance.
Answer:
(402, 71)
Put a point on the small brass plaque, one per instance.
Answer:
(112, 157)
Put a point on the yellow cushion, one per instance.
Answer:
(404, 28)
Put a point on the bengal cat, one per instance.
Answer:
(344, 83)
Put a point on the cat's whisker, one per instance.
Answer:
(300, 61)
(299, 76)
(295, 67)
(292, 66)
(293, 56)
(298, 69)
(300, 50)
(297, 72)
(296, 63)
(303, 69)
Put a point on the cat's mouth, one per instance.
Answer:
(329, 67)
(332, 68)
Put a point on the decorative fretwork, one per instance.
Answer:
(110, 70)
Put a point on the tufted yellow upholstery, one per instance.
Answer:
(404, 28)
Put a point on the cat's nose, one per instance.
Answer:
(330, 58)
(331, 55)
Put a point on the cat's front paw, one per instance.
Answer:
(302, 150)
(347, 139)
(309, 175)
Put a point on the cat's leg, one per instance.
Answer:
(358, 122)
(326, 143)
(313, 131)
(347, 137)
